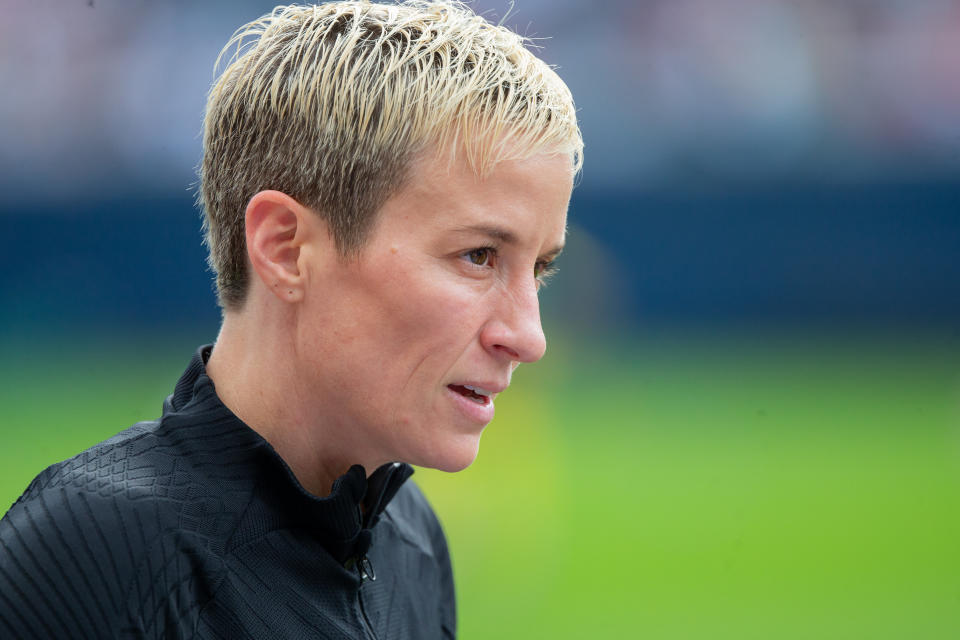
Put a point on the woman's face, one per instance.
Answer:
(404, 349)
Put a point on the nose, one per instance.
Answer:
(515, 331)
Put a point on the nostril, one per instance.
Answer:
(510, 352)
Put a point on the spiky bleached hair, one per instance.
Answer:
(331, 103)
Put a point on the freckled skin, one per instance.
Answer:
(380, 337)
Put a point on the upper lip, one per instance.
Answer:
(493, 387)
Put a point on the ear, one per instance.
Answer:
(276, 227)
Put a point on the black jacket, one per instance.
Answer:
(191, 526)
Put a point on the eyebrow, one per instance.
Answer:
(506, 237)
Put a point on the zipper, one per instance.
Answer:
(365, 570)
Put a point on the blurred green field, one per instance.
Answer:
(676, 487)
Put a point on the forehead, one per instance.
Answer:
(519, 200)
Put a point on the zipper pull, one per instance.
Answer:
(365, 567)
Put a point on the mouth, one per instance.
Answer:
(476, 394)
(475, 402)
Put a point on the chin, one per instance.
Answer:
(454, 455)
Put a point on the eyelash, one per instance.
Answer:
(546, 267)
(547, 271)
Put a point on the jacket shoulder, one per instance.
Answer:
(414, 517)
(99, 539)
(428, 567)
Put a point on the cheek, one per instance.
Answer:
(429, 303)
(415, 321)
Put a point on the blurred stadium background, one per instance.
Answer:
(748, 421)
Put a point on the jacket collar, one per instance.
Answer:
(343, 519)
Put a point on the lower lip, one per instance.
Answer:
(481, 413)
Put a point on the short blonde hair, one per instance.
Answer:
(329, 104)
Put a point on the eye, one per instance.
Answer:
(481, 256)
(542, 271)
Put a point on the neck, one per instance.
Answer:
(255, 377)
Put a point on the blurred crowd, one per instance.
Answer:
(108, 95)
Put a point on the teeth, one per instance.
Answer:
(478, 390)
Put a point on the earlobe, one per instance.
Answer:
(275, 232)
